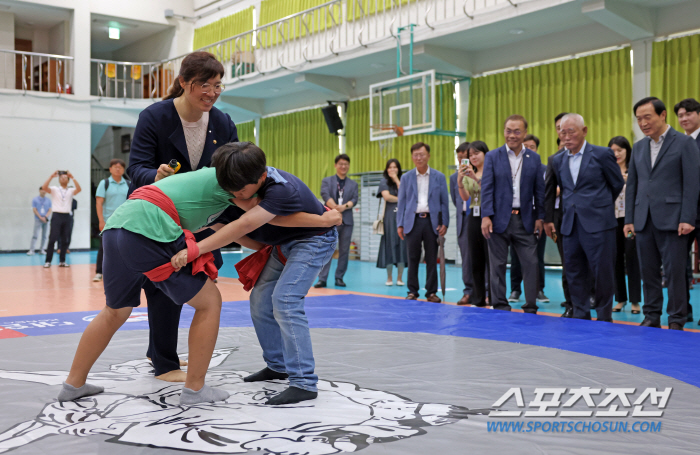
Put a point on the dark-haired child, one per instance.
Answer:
(139, 240)
(277, 300)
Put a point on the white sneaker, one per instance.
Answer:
(30, 253)
(43, 252)
(399, 283)
(389, 283)
(47, 265)
(63, 264)
(97, 277)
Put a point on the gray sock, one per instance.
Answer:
(70, 393)
(204, 395)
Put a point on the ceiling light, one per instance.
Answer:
(517, 31)
(113, 33)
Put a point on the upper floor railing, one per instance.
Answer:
(33, 71)
(142, 80)
(316, 34)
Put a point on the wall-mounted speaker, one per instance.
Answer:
(330, 113)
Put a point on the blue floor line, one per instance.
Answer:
(652, 349)
(365, 277)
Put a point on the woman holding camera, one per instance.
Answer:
(469, 184)
(61, 205)
(392, 250)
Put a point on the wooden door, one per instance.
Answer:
(22, 45)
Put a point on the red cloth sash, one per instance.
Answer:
(203, 263)
(250, 268)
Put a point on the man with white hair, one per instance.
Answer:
(590, 181)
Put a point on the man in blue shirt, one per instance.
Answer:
(41, 205)
(110, 194)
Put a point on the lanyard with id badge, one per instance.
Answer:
(340, 194)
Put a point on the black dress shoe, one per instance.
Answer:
(569, 313)
(411, 297)
(650, 323)
(340, 283)
(675, 326)
(320, 284)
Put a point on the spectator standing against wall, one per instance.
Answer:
(661, 205)
(531, 142)
(556, 197)
(340, 193)
(469, 186)
(688, 112)
(463, 210)
(392, 249)
(61, 205)
(512, 212)
(626, 257)
(41, 206)
(423, 215)
(590, 181)
(111, 193)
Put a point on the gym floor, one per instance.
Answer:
(396, 376)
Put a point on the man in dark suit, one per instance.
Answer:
(590, 181)
(422, 214)
(512, 211)
(559, 240)
(531, 142)
(462, 217)
(661, 205)
(688, 112)
(340, 193)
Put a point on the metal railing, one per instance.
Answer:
(131, 80)
(336, 27)
(316, 34)
(34, 71)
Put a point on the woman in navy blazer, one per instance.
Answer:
(159, 138)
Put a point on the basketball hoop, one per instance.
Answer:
(386, 143)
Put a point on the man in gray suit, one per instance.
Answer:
(661, 201)
(340, 193)
(462, 220)
(422, 214)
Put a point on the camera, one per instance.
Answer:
(62, 172)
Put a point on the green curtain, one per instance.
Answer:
(365, 155)
(273, 10)
(246, 131)
(300, 143)
(599, 87)
(674, 67)
(226, 27)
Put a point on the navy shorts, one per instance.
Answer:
(128, 255)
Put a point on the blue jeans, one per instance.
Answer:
(277, 307)
(39, 227)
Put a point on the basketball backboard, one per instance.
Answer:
(407, 101)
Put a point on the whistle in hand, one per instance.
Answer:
(174, 165)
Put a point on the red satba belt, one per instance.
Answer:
(250, 268)
(203, 263)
